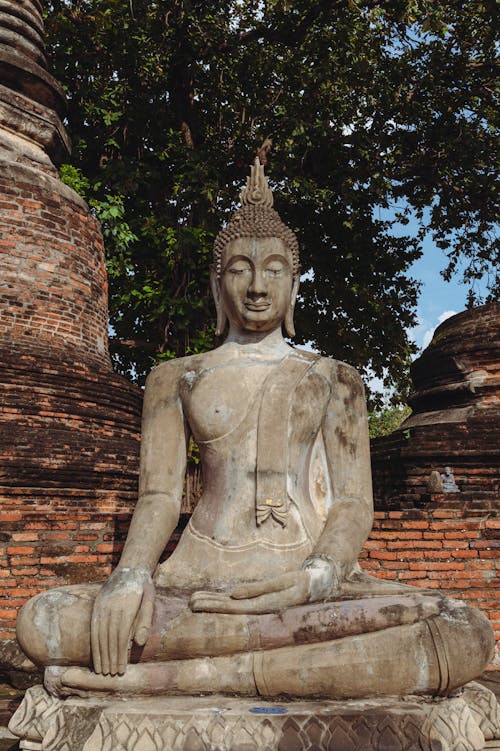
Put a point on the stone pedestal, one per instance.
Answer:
(468, 721)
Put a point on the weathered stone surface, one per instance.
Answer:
(223, 724)
(31, 101)
(25, 121)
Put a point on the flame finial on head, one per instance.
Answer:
(257, 191)
(256, 218)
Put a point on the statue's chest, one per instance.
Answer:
(217, 400)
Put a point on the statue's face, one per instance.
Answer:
(256, 282)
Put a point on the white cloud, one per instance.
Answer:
(429, 333)
(446, 314)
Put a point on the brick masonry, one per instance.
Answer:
(456, 413)
(449, 543)
(53, 289)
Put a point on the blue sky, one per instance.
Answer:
(438, 299)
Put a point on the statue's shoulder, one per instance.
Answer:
(348, 379)
(337, 372)
(179, 368)
(170, 373)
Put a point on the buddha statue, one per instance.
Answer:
(263, 594)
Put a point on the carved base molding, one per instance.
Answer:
(468, 721)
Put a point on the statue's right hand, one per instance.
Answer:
(123, 610)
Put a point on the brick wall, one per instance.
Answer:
(456, 412)
(69, 426)
(53, 285)
(69, 437)
(451, 544)
(69, 450)
(60, 541)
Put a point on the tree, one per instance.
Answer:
(376, 112)
(387, 420)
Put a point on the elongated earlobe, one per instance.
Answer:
(221, 314)
(289, 325)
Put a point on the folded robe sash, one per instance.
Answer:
(276, 400)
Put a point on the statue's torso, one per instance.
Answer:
(241, 410)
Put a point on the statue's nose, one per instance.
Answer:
(258, 286)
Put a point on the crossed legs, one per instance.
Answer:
(418, 649)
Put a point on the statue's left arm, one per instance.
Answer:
(347, 446)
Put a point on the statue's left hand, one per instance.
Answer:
(317, 581)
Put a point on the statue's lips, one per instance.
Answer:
(257, 307)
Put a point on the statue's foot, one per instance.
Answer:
(52, 680)
(178, 677)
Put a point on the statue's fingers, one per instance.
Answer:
(145, 617)
(225, 606)
(257, 589)
(212, 603)
(267, 603)
(274, 601)
(115, 619)
(122, 645)
(204, 596)
(94, 642)
(103, 644)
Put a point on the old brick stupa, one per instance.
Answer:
(69, 430)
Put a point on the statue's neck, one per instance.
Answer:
(261, 342)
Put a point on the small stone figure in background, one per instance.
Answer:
(442, 483)
(449, 484)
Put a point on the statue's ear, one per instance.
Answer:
(289, 327)
(219, 307)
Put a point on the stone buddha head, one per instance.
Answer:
(255, 271)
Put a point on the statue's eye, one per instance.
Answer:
(274, 270)
(238, 269)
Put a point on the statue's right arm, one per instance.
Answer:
(123, 608)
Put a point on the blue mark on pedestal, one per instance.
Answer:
(268, 710)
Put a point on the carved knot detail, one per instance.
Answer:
(278, 510)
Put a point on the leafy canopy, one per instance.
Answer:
(376, 112)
